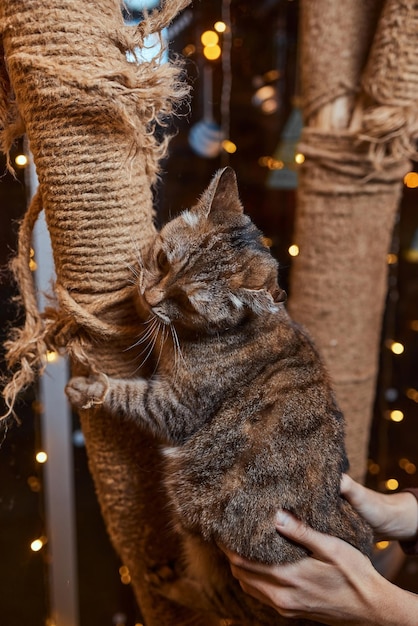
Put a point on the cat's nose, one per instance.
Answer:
(154, 296)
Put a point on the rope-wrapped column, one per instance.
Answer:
(344, 230)
(89, 115)
(359, 77)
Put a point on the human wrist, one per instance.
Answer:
(392, 605)
(403, 515)
(410, 515)
(410, 544)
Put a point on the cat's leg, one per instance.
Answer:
(182, 590)
(204, 583)
(151, 403)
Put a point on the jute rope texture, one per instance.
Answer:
(94, 242)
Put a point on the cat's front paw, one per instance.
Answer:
(83, 393)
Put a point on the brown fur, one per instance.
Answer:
(240, 399)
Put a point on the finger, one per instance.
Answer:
(244, 569)
(346, 484)
(239, 564)
(356, 494)
(318, 544)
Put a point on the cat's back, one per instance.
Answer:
(276, 441)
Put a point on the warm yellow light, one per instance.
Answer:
(410, 468)
(264, 93)
(41, 457)
(51, 356)
(271, 76)
(414, 325)
(397, 347)
(34, 484)
(189, 50)
(392, 484)
(37, 544)
(407, 466)
(382, 545)
(21, 160)
(293, 250)
(396, 415)
(412, 394)
(209, 38)
(269, 106)
(212, 52)
(220, 27)
(299, 158)
(392, 259)
(229, 146)
(411, 180)
(373, 468)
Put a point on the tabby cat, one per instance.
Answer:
(240, 401)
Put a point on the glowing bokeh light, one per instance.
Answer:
(220, 27)
(41, 457)
(212, 52)
(411, 180)
(209, 38)
(392, 484)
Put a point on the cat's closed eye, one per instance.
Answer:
(163, 263)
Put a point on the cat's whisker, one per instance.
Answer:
(149, 332)
(150, 319)
(148, 349)
(137, 251)
(146, 334)
(163, 339)
(135, 273)
(152, 337)
(178, 355)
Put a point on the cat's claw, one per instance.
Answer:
(84, 393)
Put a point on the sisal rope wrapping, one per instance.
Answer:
(89, 115)
(346, 212)
(359, 69)
(336, 38)
(390, 83)
(98, 106)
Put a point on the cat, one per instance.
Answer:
(240, 401)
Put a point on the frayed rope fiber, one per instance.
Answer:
(87, 109)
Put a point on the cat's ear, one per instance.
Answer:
(222, 197)
(261, 300)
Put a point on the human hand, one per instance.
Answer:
(392, 516)
(337, 584)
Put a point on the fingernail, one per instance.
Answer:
(281, 518)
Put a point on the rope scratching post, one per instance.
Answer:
(360, 101)
(89, 116)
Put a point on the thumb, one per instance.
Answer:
(289, 526)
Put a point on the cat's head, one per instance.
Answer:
(208, 268)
